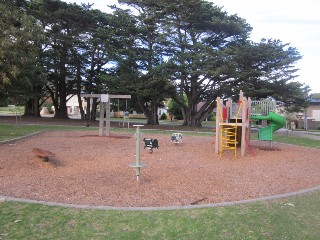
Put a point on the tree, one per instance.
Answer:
(315, 95)
(66, 27)
(152, 83)
(179, 49)
(266, 69)
(92, 56)
(198, 37)
(21, 74)
(174, 109)
(210, 55)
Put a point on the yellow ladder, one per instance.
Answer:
(228, 135)
(228, 138)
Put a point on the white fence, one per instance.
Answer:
(262, 108)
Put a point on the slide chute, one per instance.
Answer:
(275, 122)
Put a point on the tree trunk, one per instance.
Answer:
(154, 120)
(94, 109)
(32, 108)
(62, 111)
(80, 106)
(151, 114)
(78, 87)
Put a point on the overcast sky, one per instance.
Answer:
(292, 21)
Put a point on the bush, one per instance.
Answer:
(211, 117)
(175, 109)
(163, 116)
(49, 105)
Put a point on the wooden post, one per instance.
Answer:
(104, 122)
(243, 125)
(229, 109)
(241, 95)
(249, 122)
(102, 125)
(218, 119)
(108, 119)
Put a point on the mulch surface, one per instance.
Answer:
(93, 170)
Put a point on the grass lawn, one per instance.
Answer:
(297, 141)
(8, 132)
(289, 218)
(290, 139)
(12, 110)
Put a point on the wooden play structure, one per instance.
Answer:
(233, 126)
(104, 121)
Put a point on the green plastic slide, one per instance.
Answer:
(276, 122)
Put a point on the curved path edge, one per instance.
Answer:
(222, 204)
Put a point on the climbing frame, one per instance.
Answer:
(230, 122)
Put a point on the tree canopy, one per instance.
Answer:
(191, 51)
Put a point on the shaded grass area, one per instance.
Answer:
(291, 218)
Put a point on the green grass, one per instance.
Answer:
(12, 110)
(296, 140)
(290, 218)
(8, 132)
(306, 142)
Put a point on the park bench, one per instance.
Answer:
(44, 155)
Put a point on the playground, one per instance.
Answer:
(94, 170)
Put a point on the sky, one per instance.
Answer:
(292, 21)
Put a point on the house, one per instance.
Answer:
(162, 110)
(310, 118)
(73, 105)
(313, 110)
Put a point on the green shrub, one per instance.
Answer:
(211, 117)
(163, 116)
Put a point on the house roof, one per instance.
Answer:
(313, 101)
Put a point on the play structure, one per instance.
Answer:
(275, 123)
(104, 121)
(233, 127)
